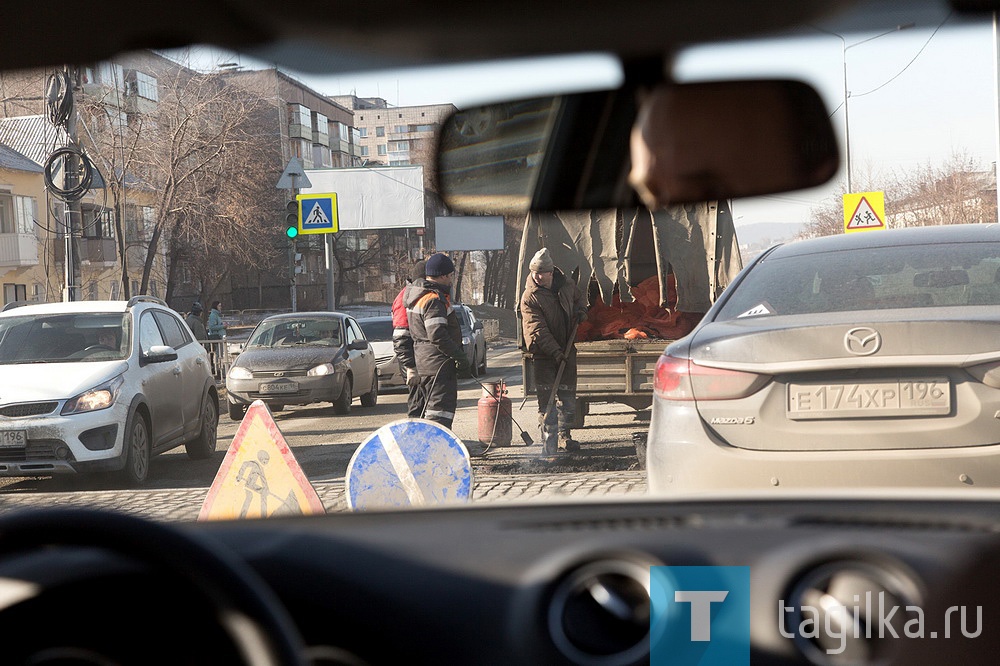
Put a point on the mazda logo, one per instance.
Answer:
(862, 341)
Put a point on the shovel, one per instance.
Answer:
(559, 374)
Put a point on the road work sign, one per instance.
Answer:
(864, 211)
(259, 476)
(412, 462)
(318, 213)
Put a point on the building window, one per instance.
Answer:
(301, 116)
(115, 291)
(97, 222)
(381, 149)
(380, 131)
(399, 129)
(14, 292)
(92, 291)
(363, 132)
(364, 151)
(399, 146)
(139, 221)
(145, 86)
(399, 162)
(17, 214)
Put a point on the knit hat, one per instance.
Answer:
(196, 307)
(542, 262)
(417, 272)
(439, 264)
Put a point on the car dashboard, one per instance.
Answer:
(559, 584)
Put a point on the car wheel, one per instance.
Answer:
(342, 405)
(237, 412)
(137, 451)
(276, 408)
(482, 368)
(203, 446)
(473, 366)
(369, 399)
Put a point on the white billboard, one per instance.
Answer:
(373, 197)
(468, 232)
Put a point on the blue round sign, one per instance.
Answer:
(411, 462)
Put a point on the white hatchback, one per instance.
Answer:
(94, 386)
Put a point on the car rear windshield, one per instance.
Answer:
(882, 278)
(63, 338)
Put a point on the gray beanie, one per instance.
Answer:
(542, 262)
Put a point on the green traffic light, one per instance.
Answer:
(292, 231)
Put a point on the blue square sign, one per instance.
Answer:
(700, 616)
(318, 213)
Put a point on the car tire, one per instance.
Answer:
(237, 412)
(473, 367)
(203, 446)
(371, 398)
(276, 408)
(483, 368)
(342, 405)
(137, 451)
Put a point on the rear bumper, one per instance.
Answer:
(683, 458)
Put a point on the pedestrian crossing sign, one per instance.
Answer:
(259, 476)
(864, 211)
(318, 213)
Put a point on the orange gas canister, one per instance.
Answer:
(494, 415)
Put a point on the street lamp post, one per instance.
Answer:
(844, 46)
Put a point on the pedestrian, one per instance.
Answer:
(216, 329)
(433, 326)
(551, 308)
(193, 320)
(402, 344)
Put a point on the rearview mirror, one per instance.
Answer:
(715, 140)
(941, 279)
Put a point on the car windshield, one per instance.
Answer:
(377, 330)
(295, 196)
(62, 338)
(285, 332)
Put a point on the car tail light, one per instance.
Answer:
(681, 379)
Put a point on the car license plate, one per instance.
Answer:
(903, 397)
(279, 387)
(13, 439)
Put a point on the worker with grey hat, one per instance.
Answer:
(193, 320)
(436, 334)
(402, 344)
(551, 308)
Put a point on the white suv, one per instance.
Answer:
(101, 386)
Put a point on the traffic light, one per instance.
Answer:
(292, 219)
(299, 268)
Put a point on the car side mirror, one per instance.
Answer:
(358, 345)
(478, 326)
(159, 354)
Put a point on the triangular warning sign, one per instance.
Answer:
(259, 477)
(865, 217)
(316, 217)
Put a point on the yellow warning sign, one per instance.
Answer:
(259, 477)
(864, 211)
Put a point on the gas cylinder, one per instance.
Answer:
(495, 415)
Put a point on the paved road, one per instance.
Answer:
(323, 444)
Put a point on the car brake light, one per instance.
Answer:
(680, 379)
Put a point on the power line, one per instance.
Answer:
(912, 60)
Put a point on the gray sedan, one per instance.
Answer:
(868, 360)
(303, 358)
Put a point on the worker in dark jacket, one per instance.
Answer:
(402, 344)
(551, 307)
(437, 335)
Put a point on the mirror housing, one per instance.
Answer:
(159, 354)
(711, 140)
(358, 345)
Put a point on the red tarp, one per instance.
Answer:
(641, 319)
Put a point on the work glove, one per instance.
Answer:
(559, 358)
(412, 378)
(462, 366)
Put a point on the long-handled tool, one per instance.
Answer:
(555, 385)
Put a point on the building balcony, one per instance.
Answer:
(18, 250)
(297, 131)
(320, 139)
(93, 251)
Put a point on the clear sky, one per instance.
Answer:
(916, 96)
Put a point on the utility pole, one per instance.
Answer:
(71, 176)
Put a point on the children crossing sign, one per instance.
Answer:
(318, 213)
(864, 211)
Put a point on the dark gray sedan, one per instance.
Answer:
(303, 358)
(868, 360)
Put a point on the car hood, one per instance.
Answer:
(294, 358)
(382, 348)
(53, 381)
